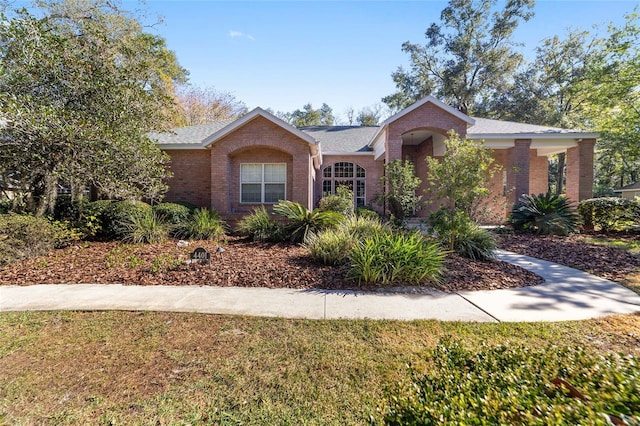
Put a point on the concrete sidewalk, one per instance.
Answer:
(567, 294)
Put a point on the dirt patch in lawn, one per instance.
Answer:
(243, 263)
(577, 252)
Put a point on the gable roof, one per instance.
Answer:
(257, 112)
(342, 139)
(436, 102)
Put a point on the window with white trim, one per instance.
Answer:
(345, 174)
(262, 182)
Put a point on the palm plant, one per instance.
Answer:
(301, 221)
(545, 214)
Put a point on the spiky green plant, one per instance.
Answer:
(204, 225)
(392, 257)
(260, 227)
(144, 227)
(461, 234)
(545, 214)
(300, 221)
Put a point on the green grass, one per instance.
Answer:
(631, 246)
(164, 368)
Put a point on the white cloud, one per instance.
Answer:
(240, 34)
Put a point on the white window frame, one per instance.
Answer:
(263, 183)
(353, 180)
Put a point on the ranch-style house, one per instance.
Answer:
(235, 165)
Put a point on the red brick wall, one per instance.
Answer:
(418, 154)
(538, 173)
(250, 142)
(427, 116)
(191, 180)
(373, 172)
(580, 170)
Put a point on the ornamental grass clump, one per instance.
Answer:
(545, 214)
(516, 384)
(142, 227)
(396, 257)
(333, 246)
(204, 225)
(458, 232)
(259, 226)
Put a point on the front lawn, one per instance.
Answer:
(168, 368)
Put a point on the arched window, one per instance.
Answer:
(345, 174)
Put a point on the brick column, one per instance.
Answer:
(538, 173)
(580, 170)
(518, 161)
(393, 150)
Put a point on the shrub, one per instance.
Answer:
(545, 214)
(400, 184)
(23, 236)
(390, 257)
(94, 217)
(204, 225)
(515, 384)
(459, 233)
(367, 212)
(118, 215)
(260, 227)
(174, 214)
(69, 209)
(333, 246)
(301, 221)
(144, 226)
(341, 202)
(609, 213)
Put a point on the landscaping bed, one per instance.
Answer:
(577, 251)
(243, 263)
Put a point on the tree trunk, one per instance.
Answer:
(560, 174)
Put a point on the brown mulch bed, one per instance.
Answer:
(243, 263)
(575, 251)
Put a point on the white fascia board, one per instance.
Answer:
(176, 146)
(340, 153)
(250, 116)
(534, 136)
(464, 117)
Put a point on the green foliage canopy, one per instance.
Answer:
(80, 88)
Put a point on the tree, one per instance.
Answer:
(467, 57)
(202, 105)
(308, 116)
(462, 174)
(370, 116)
(80, 88)
(399, 190)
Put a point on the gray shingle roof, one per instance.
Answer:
(342, 138)
(191, 134)
(631, 186)
(488, 126)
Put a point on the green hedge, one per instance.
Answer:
(512, 384)
(117, 215)
(609, 213)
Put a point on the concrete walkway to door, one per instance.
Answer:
(567, 294)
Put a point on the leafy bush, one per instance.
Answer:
(23, 236)
(94, 217)
(301, 221)
(341, 202)
(144, 226)
(367, 212)
(545, 214)
(332, 246)
(390, 257)
(459, 233)
(400, 184)
(117, 217)
(204, 225)
(173, 214)
(68, 209)
(511, 384)
(609, 213)
(260, 227)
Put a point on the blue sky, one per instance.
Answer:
(281, 55)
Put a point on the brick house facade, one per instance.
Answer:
(234, 166)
